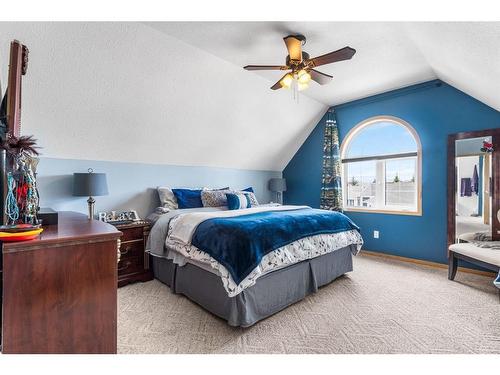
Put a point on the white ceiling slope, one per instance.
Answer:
(466, 55)
(127, 92)
(389, 55)
(176, 93)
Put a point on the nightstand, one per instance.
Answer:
(134, 261)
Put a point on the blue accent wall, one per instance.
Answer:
(435, 109)
(133, 185)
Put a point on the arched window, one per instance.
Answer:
(382, 167)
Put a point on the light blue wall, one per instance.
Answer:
(435, 110)
(133, 185)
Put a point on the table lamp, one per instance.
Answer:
(278, 185)
(90, 185)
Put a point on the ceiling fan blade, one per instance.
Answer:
(266, 67)
(277, 85)
(345, 53)
(319, 77)
(294, 47)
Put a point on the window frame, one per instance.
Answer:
(418, 175)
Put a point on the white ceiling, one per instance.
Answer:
(389, 55)
(176, 93)
(123, 91)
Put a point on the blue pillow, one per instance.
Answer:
(187, 198)
(237, 201)
(249, 189)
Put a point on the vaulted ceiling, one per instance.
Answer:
(122, 91)
(389, 55)
(176, 93)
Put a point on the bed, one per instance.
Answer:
(245, 265)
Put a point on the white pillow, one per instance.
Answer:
(167, 198)
(253, 199)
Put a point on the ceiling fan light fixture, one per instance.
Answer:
(302, 66)
(302, 86)
(286, 81)
(303, 77)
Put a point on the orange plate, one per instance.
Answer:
(23, 236)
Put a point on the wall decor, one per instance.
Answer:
(21, 201)
(18, 154)
(487, 147)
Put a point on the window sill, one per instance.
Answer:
(390, 212)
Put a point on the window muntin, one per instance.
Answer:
(381, 167)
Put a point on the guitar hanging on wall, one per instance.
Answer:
(11, 104)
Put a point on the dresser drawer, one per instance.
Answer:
(132, 249)
(132, 234)
(131, 265)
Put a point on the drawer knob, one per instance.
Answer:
(125, 266)
(125, 250)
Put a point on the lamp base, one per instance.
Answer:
(91, 202)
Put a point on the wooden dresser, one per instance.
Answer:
(59, 292)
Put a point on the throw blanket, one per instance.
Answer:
(185, 225)
(239, 240)
(485, 240)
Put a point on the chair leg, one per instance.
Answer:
(452, 266)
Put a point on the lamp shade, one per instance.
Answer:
(89, 184)
(277, 184)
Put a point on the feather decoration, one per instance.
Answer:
(17, 145)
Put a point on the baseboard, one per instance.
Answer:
(425, 263)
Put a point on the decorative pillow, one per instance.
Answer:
(253, 199)
(237, 201)
(214, 198)
(187, 198)
(167, 198)
(249, 189)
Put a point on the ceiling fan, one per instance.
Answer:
(301, 66)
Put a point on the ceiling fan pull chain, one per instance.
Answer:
(294, 90)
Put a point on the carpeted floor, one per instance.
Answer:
(384, 306)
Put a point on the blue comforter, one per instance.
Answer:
(239, 243)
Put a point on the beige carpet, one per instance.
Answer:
(384, 306)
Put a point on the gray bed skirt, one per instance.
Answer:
(270, 294)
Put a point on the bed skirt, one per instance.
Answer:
(271, 293)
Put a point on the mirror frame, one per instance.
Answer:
(451, 191)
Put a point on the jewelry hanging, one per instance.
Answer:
(22, 201)
(27, 192)
(11, 208)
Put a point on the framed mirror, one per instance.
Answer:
(474, 186)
